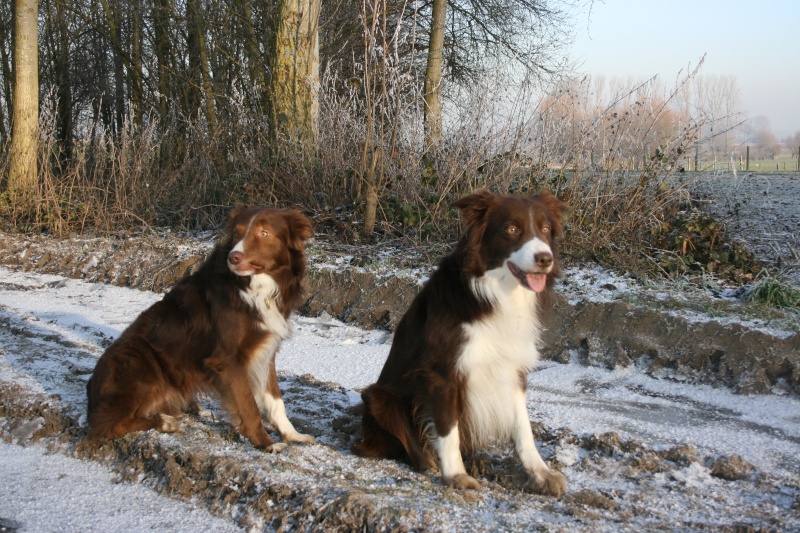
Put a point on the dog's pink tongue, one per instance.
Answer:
(536, 282)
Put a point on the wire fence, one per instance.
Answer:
(767, 165)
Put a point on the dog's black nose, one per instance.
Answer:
(235, 257)
(543, 260)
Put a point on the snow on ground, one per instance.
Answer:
(51, 492)
(42, 492)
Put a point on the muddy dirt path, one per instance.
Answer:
(639, 453)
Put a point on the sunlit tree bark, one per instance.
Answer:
(295, 73)
(433, 76)
(22, 183)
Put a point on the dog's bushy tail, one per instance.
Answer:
(388, 430)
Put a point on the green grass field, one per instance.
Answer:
(764, 165)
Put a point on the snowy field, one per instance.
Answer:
(682, 431)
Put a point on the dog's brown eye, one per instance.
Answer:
(264, 233)
(512, 230)
(546, 229)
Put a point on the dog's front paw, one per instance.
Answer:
(299, 437)
(548, 482)
(167, 424)
(461, 481)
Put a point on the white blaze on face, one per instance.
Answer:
(523, 263)
(525, 257)
(239, 270)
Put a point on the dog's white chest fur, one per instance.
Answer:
(262, 295)
(497, 350)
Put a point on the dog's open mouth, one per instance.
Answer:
(535, 281)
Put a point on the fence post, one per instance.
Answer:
(747, 167)
(798, 158)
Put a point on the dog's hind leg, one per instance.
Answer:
(106, 422)
(376, 441)
(389, 430)
(159, 421)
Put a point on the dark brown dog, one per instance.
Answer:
(456, 373)
(216, 330)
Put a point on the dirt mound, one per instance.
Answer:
(685, 346)
(323, 487)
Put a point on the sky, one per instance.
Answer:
(757, 42)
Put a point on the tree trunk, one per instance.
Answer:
(6, 32)
(113, 22)
(136, 62)
(194, 77)
(3, 132)
(433, 77)
(295, 75)
(162, 45)
(255, 59)
(119, 73)
(62, 67)
(199, 56)
(22, 182)
(372, 181)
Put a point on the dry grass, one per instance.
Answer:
(613, 162)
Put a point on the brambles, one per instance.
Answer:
(693, 241)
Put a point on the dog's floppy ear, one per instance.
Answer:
(474, 210)
(475, 206)
(556, 207)
(238, 210)
(299, 227)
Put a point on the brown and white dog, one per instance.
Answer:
(218, 330)
(456, 373)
